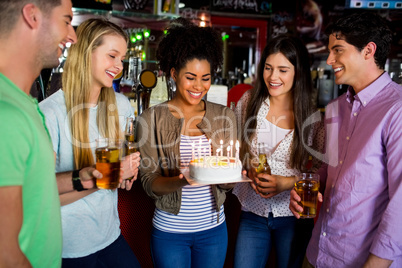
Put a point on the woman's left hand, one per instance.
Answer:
(270, 185)
(129, 170)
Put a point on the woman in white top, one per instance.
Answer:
(273, 113)
(86, 109)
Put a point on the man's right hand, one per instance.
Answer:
(294, 203)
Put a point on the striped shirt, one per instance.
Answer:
(197, 210)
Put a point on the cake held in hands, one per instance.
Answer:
(213, 168)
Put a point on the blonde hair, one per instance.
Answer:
(76, 81)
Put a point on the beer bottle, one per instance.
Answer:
(129, 145)
(232, 105)
(166, 6)
(263, 166)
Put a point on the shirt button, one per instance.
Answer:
(355, 114)
(340, 162)
(324, 234)
(347, 138)
(364, 102)
(333, 185)
(327, 209)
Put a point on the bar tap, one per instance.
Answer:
(171, 87)
(146, 82)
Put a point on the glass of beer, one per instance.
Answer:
(108, 157)
(307, 188)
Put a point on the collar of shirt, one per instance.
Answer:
(368, 93)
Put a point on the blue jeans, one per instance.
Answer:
(257, 235)
(118, 255)
(200, 249)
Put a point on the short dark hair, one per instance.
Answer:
(360, 28)
(185, 41)
(10, 10)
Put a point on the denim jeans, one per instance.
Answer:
(196, 250)
(118, 254)
(257, 235)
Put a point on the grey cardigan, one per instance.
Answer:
(158, 138)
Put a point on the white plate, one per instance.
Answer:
(192, 181)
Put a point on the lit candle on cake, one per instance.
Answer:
(231, 148)
(221, 148)
(237, 150)
(209, 147)
(227, 154)
(216, 156)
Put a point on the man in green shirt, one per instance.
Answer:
(32, 36)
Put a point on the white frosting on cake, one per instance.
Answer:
(214, 168)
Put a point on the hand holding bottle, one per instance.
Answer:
(265, 184)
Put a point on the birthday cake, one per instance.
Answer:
(213, 168)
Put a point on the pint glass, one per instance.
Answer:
(307, 188)
(108, 155)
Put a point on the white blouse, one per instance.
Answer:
(278, 162)
(270, 136)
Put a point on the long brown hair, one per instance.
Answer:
(77, 79)
(295, 51)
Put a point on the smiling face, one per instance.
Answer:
(55, 33)
(278, 75)
(347, 62)
(192, 81)
(107, 60)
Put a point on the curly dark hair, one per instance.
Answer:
(186, 41)
(360, 28)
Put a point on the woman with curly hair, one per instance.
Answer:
(189, 228)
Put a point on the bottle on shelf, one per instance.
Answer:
(128, 81)
(166, 6)
(232, 105)
(132, 65)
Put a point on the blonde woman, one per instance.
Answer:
(85, 109)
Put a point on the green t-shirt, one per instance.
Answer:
(27, 159)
